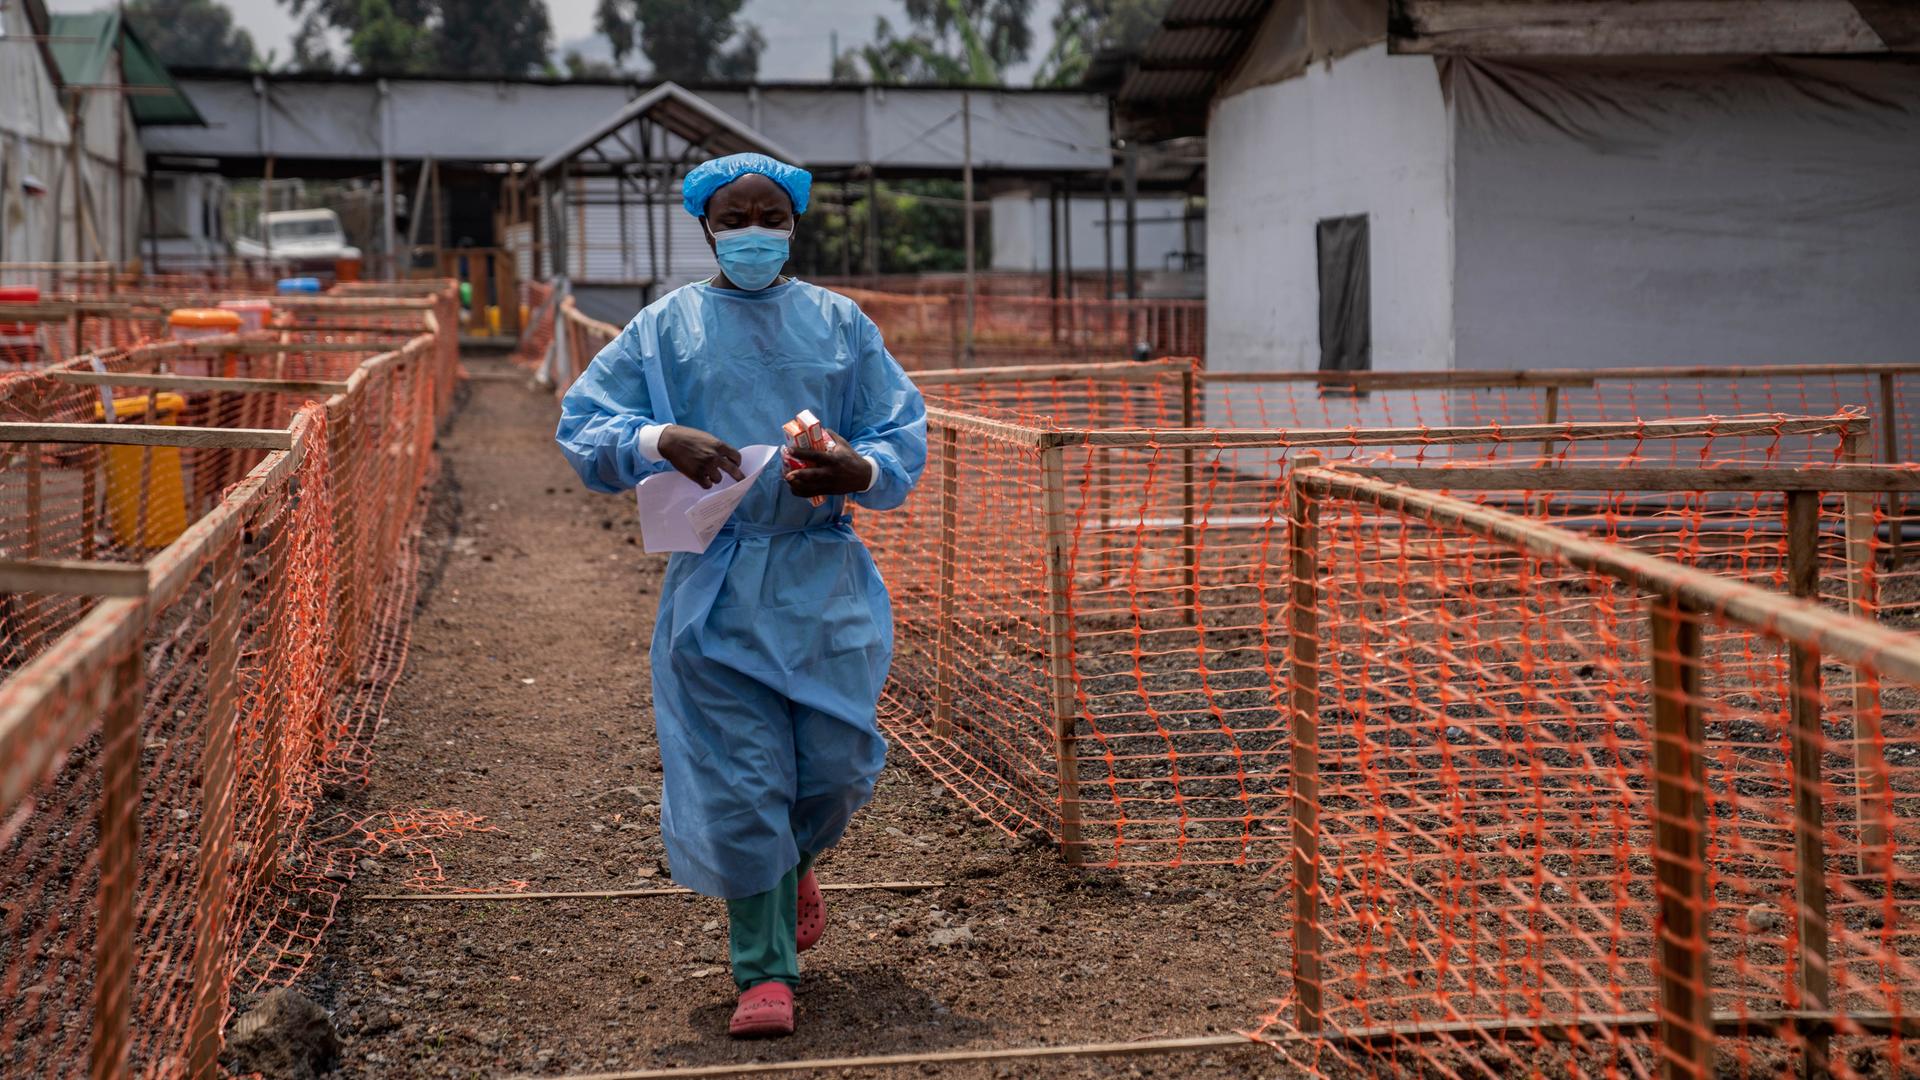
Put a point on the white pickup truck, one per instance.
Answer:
(300, 237)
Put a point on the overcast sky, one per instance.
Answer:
(797, 31)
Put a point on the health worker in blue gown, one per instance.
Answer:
(771, 646)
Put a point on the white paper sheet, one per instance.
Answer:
(677, 514)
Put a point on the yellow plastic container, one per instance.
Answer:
(493, 319)
(166, 488)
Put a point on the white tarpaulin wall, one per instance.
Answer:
(33, 143)
(1700, 212)
(36, 140)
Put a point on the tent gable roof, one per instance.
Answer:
(84, 63)
(682, 112)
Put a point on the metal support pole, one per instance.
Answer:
(1053, 261)
(966, 195)
(873, 225)
(1066, 243)
(1132, 193)
(266, 207)
(386, 180)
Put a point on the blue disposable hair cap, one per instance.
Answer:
(710, 176)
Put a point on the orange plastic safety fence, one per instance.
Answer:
(927, 331)
(578, 338)
(1088, 621)
(1568, 809)
(1176, 393)
(169, 766)
(536, 337)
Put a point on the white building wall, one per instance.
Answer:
(1367, 134)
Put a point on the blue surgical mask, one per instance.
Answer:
(751, 257)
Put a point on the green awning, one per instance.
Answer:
(152, 94)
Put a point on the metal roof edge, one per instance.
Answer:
(645, 103)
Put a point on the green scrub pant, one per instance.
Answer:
(761, 930)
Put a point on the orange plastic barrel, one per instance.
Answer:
(187, 324)
(19, 342)
(346, 269)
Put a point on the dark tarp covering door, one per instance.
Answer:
(1346, 308)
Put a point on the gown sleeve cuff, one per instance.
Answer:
(649, 442)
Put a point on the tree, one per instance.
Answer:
(949, 41)
(578, 66)
(192, 33)
(688, 41)
(1083, 29)
(492, 37)
(448, 37)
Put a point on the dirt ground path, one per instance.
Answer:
(526, 702)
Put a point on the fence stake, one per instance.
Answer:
(210, 972)
(1890, 455)
(1871, 783)
(34, 483)
(1303, 666)
(119, 866)
(1060, 647)
(1679, 840)
(1188, 539)
(943, 670)
(1810, 857)
(90, 458)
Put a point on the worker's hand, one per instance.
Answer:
(699, 456)
(839, 471)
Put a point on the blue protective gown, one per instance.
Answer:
(771, 646)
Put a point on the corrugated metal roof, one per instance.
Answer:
(1197, 41)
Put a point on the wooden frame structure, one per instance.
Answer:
(95, 671)
(951, 429)
(1686, 1023)
(1552, 383)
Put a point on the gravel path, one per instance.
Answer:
(526, 703)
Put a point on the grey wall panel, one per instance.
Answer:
(344, 119)
(233, 123)
(1700, 213)
(475, 120)
(494, 121)
(820, 128)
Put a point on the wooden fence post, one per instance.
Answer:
(211, 978)
(1550, 415)
(1189, 541)
(1059, 541)
(1890, 455)
(119, 866)
(1809, 741)
(1680, 842)
(1303, 673)
(1872, 810)
(943, 660)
